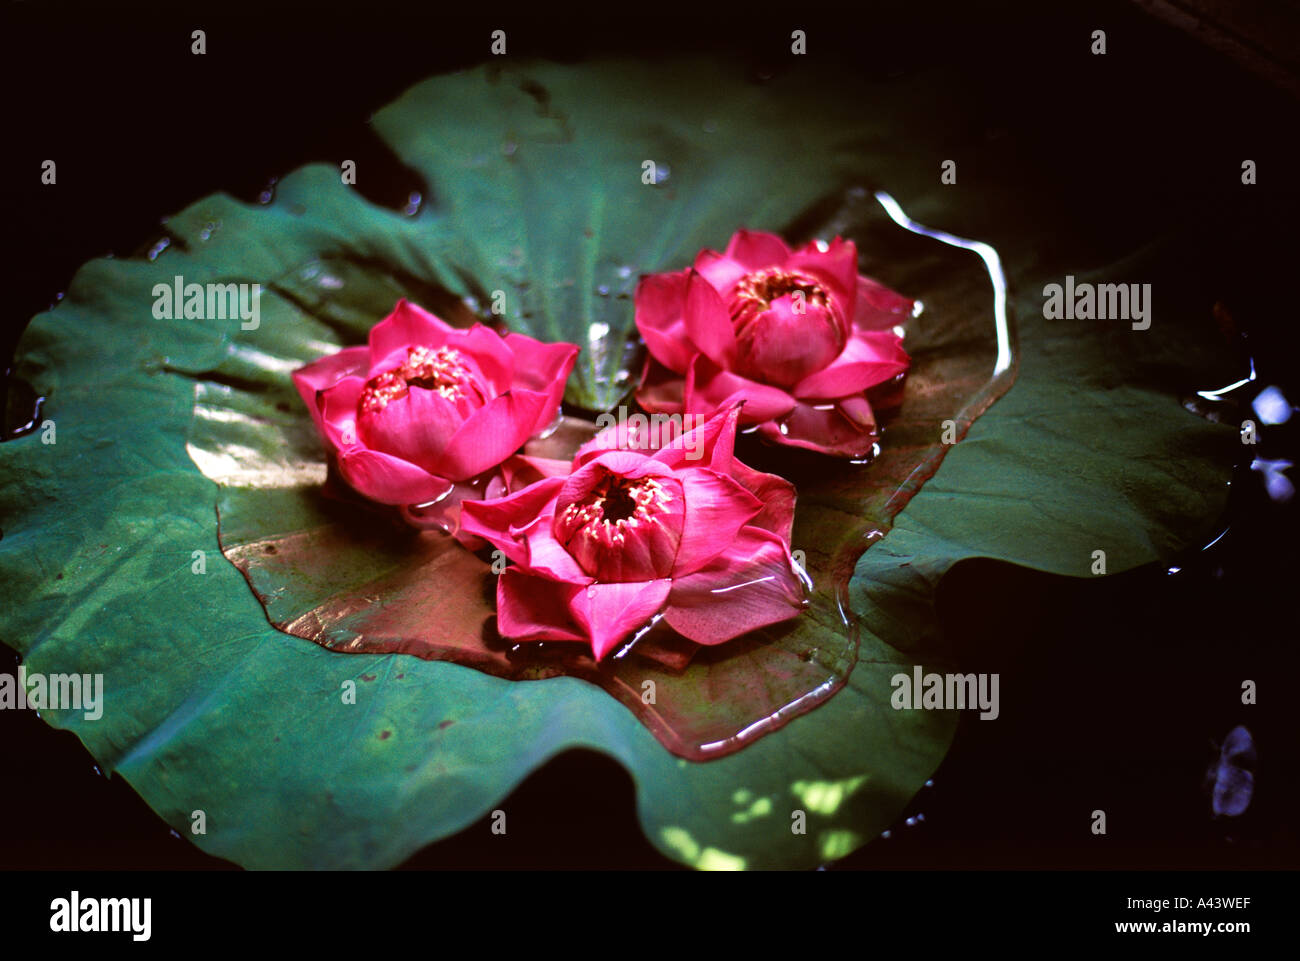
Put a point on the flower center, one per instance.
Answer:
(443, 370)
(616, 504)
(754, 293)
(623, 529)
(619, 505)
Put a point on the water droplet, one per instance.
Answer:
(509, 147)
(886, 834)
(554, 425)
(1272, 407)
(625, 271)
(1279, 486)
(413, 202)
(867, 458)
(268, 192)
(662, 173)
(917, 308)
(603, 290)
(158, 248)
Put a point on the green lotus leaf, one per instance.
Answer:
(302, 756)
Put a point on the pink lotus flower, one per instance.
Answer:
(798, 335)
(425, 405)
(628, 535)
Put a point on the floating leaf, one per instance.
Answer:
(207, 706)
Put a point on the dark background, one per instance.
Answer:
(139, 128)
